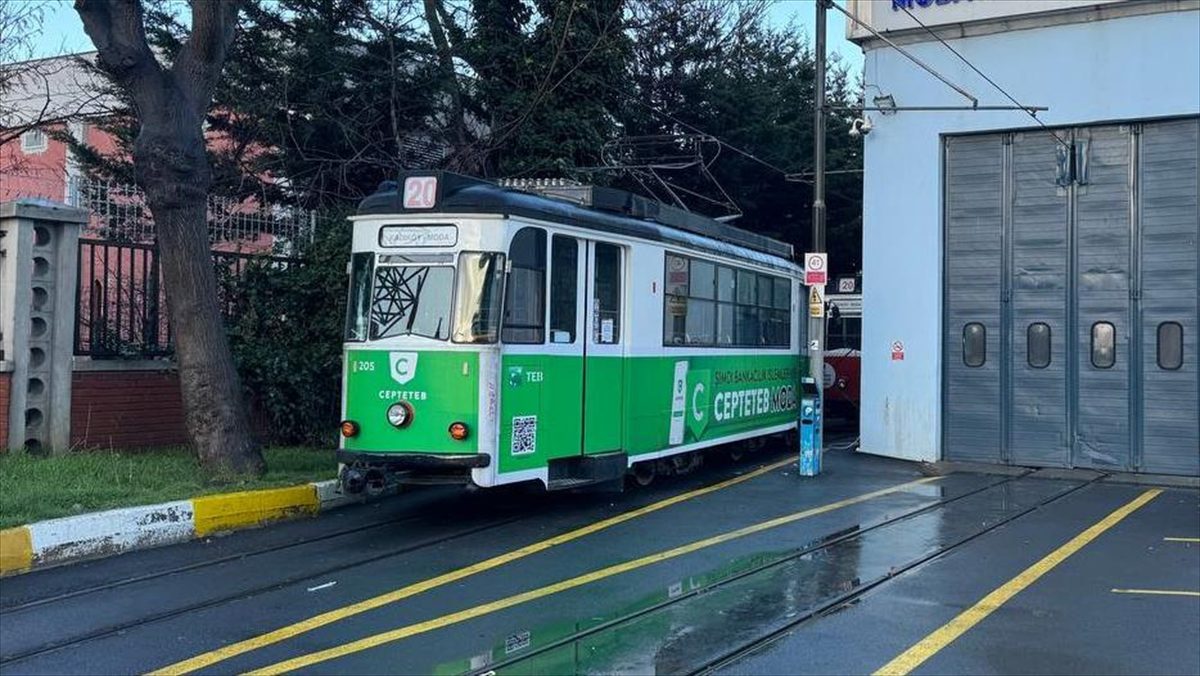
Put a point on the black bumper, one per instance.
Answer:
(401, 462)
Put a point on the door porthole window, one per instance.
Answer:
(1104, 345)
(1170, 346)
(974, 342)
(1037, 339)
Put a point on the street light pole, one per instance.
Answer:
(816, 325)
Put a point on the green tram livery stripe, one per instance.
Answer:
(549, 409)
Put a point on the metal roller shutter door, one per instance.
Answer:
(974, 178)
(1051, 269)
(1169, 192)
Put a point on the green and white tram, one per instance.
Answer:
(496, 335)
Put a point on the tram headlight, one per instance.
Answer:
(458, 431)
(400, 414)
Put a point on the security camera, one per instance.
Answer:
(860, 127)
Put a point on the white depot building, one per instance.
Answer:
(1030, 291)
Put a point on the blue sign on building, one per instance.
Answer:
(898, 5)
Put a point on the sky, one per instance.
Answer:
(62, 32)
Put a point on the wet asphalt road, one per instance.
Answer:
(772, 574)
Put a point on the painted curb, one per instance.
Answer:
(115, 531)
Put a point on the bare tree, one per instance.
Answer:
(170, 164)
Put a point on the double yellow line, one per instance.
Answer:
(290, 631)
(578, 581)
(210, 658)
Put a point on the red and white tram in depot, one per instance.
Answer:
(842, 344)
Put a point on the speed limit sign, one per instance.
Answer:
(816, 269)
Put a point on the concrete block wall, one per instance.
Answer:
(37, 296)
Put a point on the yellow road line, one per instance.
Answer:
(1157, 592)
(571, 583)
(283, 633)
(930, 645)
(1181, 539)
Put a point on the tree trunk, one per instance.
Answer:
(172, 167)
(170, 163)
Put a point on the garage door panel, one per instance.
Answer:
(1103, 246)
(1038, 405)
(1169, 212)
(974, 177)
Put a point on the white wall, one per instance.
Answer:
(1128, 68)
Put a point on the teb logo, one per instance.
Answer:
(403, 366)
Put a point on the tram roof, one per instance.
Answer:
(610, 210)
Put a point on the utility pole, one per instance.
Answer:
(816, 325)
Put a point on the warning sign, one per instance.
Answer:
(816, 269)
(897, 350)
(816, 301)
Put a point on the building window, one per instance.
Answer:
(710, 305)
(1037, 345)
(34, 141)
(525, 295)
(1104, 350)
(1170, 346)
(974, 342)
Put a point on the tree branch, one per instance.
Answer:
(117, 30)
(201, 58)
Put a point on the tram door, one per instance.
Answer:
(582, 396)
(604, 365)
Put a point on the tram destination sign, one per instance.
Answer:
(418, 235)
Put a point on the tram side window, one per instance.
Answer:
(700, 317)
(713, 305)
(525, 296)
(726, 295)
(564, 283)
(747, 325)
(606, 294)
(775, 311)
(358, 308)
(477, 300)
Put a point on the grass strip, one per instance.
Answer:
(34, 488)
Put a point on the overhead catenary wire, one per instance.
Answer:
(1031, 111)
(904, 52)
(696, 130)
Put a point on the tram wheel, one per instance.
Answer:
(643, 473)
(686, 463)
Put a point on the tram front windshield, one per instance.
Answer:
(398, 296)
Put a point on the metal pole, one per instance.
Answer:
(816, 325)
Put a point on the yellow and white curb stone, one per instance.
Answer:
(115, 531)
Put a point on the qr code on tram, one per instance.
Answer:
(524, 434)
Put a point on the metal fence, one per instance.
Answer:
(119, 212)
(121, 307)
